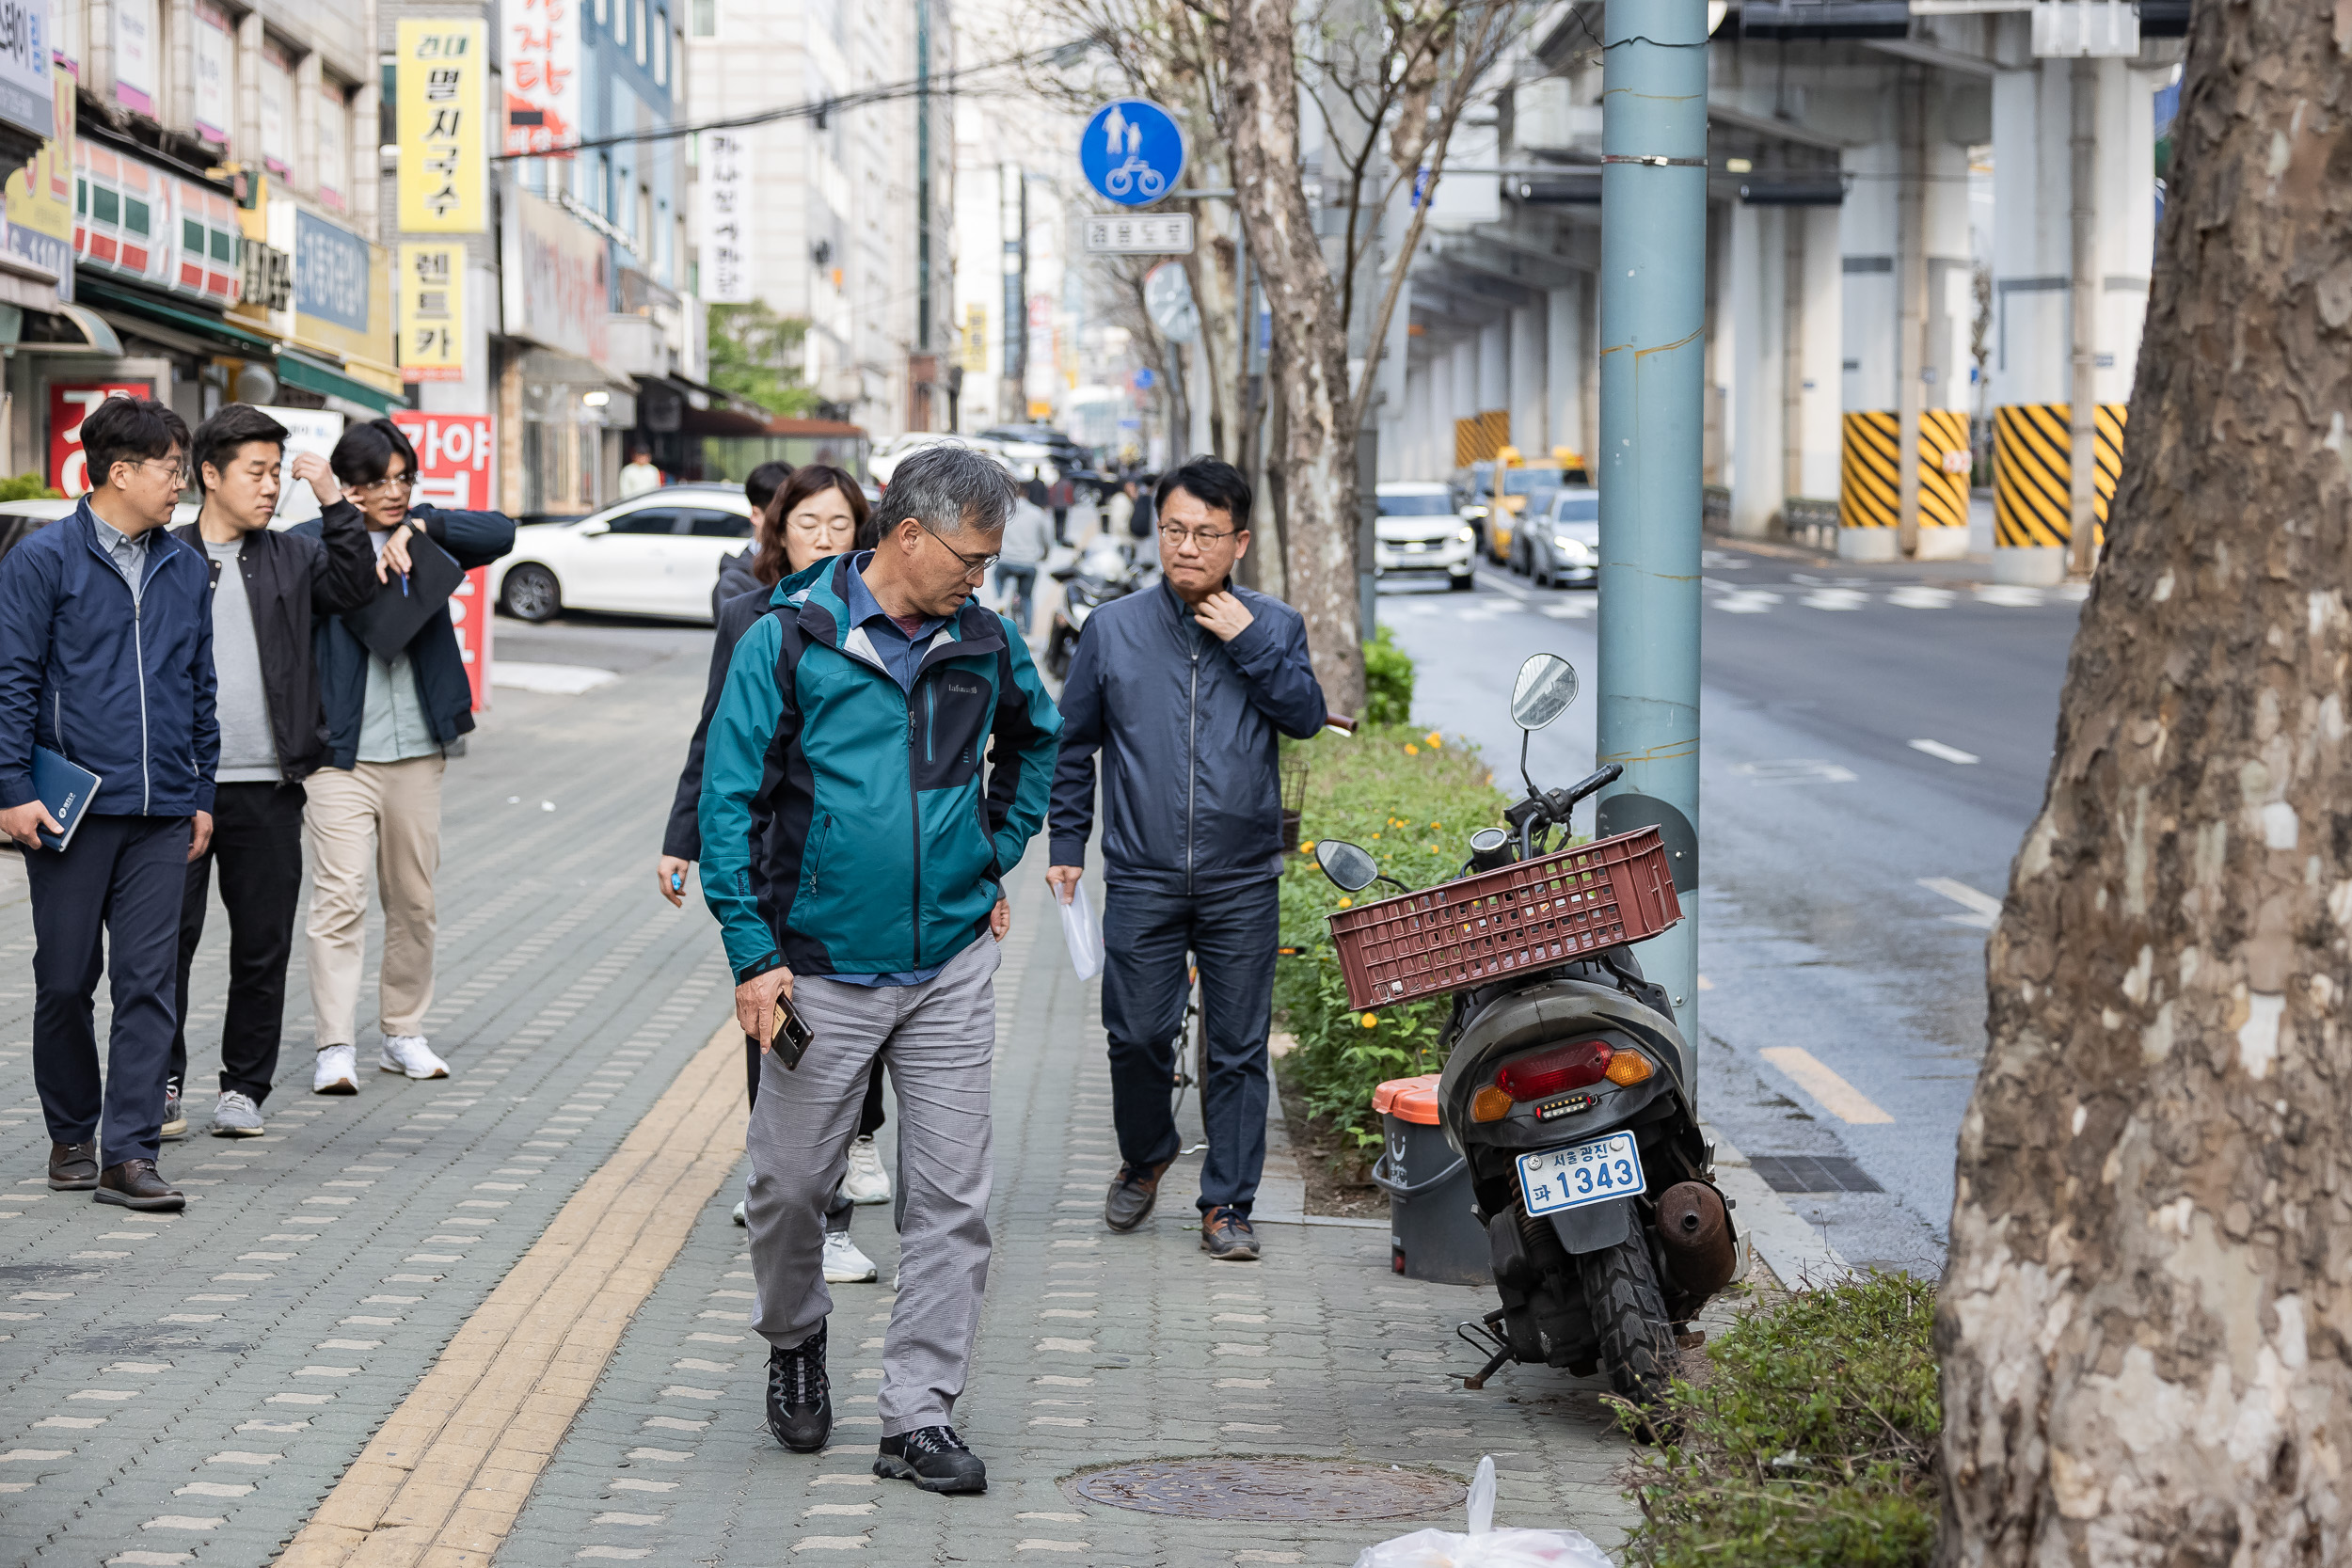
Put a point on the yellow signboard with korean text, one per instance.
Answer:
(433, 312)
(443, 75)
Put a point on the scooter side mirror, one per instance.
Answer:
(1546, 687)
(1348, 866)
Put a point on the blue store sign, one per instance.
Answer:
(330, 273)
(1133, 152)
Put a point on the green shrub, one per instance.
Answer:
(1810, 1442)
(1388, 681)
(1412, 799)
(28, 487)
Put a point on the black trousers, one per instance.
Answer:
(838, 1212)
(121, 876)
(1232, 934)
(256, 840)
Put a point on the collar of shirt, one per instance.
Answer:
(115, 541)
(864, 607)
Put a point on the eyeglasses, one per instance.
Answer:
(176, 467)
(402, 482)
(1204, 538)
(975, 567)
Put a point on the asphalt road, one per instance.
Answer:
(1848, 871)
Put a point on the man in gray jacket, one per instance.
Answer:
(1182, 689)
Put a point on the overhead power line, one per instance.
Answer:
(1060, 56)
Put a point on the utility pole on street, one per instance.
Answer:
(1653, 250)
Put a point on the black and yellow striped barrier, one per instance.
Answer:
(2033, 468)
(1870, 494)
(1477, 438)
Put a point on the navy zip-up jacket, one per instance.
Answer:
(473, 539)
(1192, 798)
(123, 687)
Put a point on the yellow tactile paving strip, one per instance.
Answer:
(444, 1478)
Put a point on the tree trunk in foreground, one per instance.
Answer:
(2143, 1324)
(1318, 454)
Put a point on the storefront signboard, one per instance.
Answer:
(69, 405)
(330, 272)
(26, 80)
(442, 67)
(455, 455)
(134, 55)
(432, 312)
(215, 64)
(308, 430)
(542, 76)
(40, 195)
(724, 177)
(558, 294)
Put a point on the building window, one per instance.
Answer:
(662, 48)
(604, 13)
(642, 40)
(705, 18)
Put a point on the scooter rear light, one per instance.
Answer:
(1547, 1073)
(1490, 1104)
(1629, 1066)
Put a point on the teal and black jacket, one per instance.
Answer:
(845, 826)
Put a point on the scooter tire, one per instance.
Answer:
(1629, 1314)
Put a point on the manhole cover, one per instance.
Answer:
(1269, 1489)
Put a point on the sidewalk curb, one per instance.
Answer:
(1799, 1255)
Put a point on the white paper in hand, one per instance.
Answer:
(1083, 935)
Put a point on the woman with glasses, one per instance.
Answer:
(391, 724)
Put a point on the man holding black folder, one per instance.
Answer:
(107, 666)
(398, 703)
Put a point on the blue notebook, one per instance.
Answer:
(66, 790)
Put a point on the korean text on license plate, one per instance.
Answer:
(1559, 1178)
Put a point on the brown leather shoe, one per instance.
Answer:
(73, 1167)
(1132, 1193)
(1226, 1236)
(134, 1184)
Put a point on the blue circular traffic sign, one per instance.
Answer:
(1133, 152)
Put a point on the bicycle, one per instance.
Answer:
(1135, 174)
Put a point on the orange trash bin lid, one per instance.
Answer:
(1413, 1100)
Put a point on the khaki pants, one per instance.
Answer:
(391, 810)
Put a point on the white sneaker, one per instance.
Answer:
(338, 1071)
(738, 1212)
(409, 1054)
(865, 1180)
(844, 1264)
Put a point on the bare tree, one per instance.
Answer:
(2143, 1322)
(1127, 273)
(1390, 80)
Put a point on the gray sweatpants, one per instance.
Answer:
(938, 1040)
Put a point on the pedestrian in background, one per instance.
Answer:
(391, 725)
(736, 573)
(815, 516)
(1184, 690)
(1028, 539)
(639, 474)
(845, 764)
(1119, 510)
(269, 589)
(106, 660)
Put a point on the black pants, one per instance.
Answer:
(122, 875)
(871, 1117)
(1232, 934)
(257, 838)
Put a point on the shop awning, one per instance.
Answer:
(315, 376)
(107, 297)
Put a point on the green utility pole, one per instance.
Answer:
(1653, 312)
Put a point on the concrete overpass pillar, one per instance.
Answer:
(2031, 333)
(1494, 366)
(1755, 344)
(1817, 327)
(1563, 354)
(1531, 429)
(1463, 361)
(1415, 459)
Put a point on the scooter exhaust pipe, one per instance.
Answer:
(1695, 1233)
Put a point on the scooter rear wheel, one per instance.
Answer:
(1629, 1313)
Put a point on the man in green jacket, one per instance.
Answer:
(853, 854)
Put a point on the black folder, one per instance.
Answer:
(391, 621)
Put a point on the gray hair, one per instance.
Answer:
(947, 489)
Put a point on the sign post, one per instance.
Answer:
(1132, 152)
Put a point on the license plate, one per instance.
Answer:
(1559, 1178)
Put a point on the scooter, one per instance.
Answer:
(1571, 1096)
(1105, 571)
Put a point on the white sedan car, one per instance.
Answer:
(1421, 534)
(654, 554)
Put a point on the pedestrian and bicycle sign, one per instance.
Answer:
(1144, 234)
(1133, 152)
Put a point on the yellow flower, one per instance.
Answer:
(1376, 836)
(1370, 1021)
(1307, 846)
(1437, 741)
(1411, 750)
(1437, 824)
(1345, 903)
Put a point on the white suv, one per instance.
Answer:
(1421, 534)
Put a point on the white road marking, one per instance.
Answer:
(1949, 753)
(1836, 599)
(1569, 610)
(2009, 596)
(555, 680)
(1745, 601)
(1983, 908)
(1796, 771)
(1920, 596)
(1837, 1097)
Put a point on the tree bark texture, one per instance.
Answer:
(1318, 452)
(2143, 1326)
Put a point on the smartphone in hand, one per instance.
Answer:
(792, 1036)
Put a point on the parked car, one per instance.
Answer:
(20, 520)
(1421, 534)
(1564, 546)
(654, 554)
(1521, 495)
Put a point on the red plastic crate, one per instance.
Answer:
(1480, 928)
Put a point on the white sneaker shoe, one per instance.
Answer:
(866, 1181)
(738, 1212)
(409, 1054)
(338, 1071)
(844, 1264)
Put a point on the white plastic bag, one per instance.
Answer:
(1083, 935)
(1485, 1547)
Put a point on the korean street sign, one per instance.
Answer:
(1140, 234)
(443, 65)
(432, 312)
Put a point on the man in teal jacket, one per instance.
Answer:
(853, 854)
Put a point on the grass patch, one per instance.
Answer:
(1412, 797)
(1808, 1438)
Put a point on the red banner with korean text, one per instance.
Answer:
(456, 468)
(69, 405)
